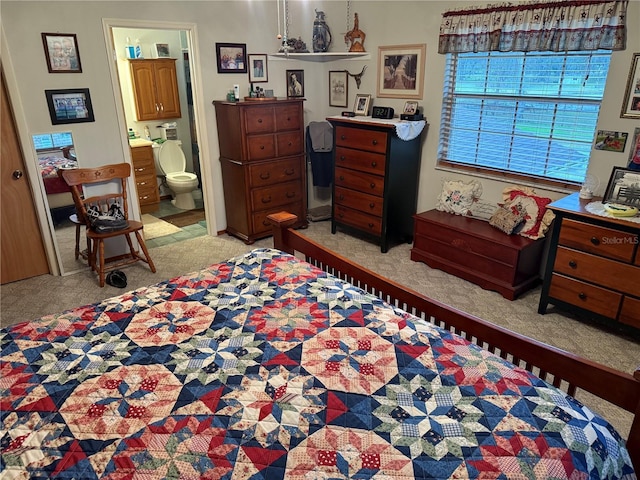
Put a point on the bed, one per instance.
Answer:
(267, 367)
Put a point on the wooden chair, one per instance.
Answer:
(116, 174)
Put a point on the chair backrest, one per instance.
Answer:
(116, 174)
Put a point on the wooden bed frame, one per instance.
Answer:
(562, 369)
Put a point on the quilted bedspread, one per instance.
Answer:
(264, 367)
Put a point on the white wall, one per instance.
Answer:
(255, 23)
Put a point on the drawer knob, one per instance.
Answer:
(375, 142)
(340, 197)
(342, 158)
(342, 137)
(372, 185)
(266, 199)
(259, 120)
(573, 264)
(342, 177)
(290, 143)
(265, 175)
(374, 164)
(370, 225)
(341, 215)
(595, 241)
(582, 296)
(261, 147)
(291, 194)
(371, 205)
(289, 171)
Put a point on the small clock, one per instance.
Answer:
(382, 112)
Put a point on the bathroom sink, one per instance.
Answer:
(140, 142)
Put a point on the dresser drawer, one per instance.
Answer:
(595, 299)
(147, 182)
(630, 312)
(597, 270)
(359, 160)
(260, 225)
(362, 221)
(289, 144)
(370, 140)
(364, 202)
(275, 195)
(599, 240)
(261, 147)
(288, 117)
(360, 181)
(277, 171)
(259, 119)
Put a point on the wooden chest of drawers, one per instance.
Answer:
(263, 164)
(474, 250)
(375, 180)
(593, 267)
(144, 172)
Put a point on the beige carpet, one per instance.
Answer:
(156, 227)
(38, 296)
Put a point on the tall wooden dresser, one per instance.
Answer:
(263, 164)
(375, 186)
(593, 268)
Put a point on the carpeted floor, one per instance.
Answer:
(185, 218)
(33, 298)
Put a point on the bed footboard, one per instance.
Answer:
(562, 369)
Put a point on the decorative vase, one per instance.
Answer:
(321, 34)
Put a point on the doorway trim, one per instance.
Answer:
(108, 24)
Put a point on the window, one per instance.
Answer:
(525, 115)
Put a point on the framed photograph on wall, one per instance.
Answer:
(631, 104)
(231, 57)
(69, 106)
(623, 187)
(258, 68)
(634, 154)
(61, 52)
(338, 88)
(401, 71)
(295, 83)
(361, 106)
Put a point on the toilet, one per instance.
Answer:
(171, 163)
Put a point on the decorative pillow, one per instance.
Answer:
(482, 210)
(507, 220)
(537, 218)
(457, 196)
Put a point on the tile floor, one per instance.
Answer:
(190, 231)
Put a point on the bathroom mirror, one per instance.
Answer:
(55, 151)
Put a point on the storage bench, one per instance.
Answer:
(475, 251)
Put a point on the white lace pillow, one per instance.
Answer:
(457, 196)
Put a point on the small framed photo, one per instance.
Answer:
(295, 83)
(231, 57)
(623, 187)
(61, 52)
(611, 141)
(338, 88)
(161, 50)
(634, 154)
(401, 71)
(258, 68)
(410, 107)
(69, 106)
(361, 107)
(631, 105)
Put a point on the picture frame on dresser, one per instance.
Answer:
(361, 105)
(623, 187)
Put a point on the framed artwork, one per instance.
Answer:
(61, 52)
(611, 141)
(69, 106)
(295, 83)
(161, 50)
(338, 88)
(361, 106)
(258, 68)
(623, 187)
(631, 104)
(401, 71)
(231, 57)
(410, 107)
(634, 155)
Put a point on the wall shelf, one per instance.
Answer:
(322, 57)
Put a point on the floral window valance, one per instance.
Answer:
(541, 26)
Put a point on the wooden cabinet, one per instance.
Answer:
(375, 184)
(593, 265)
(144, 172)
(474, 250)
(263, 164)
(155, 88)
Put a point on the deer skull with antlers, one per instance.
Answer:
(357, 76)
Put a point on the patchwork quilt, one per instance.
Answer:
(264, 367)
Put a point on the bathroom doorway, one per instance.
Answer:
(167, 223)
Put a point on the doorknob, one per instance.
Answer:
(17, 174)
